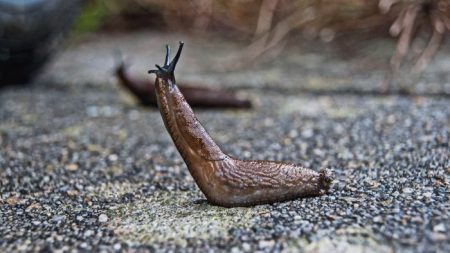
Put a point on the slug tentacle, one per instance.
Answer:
(224, 180)
(167, 61)
(169, 68)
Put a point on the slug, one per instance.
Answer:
(224, 180)
(197, 96)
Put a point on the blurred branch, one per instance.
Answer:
(435, 13)
(267, 24)
(203, 15)
(265, 16)
(273, 37)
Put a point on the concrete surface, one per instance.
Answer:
(85, 168)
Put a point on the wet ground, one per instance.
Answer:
(84, 167)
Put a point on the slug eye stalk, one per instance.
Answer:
(227, 181)
(168, 68)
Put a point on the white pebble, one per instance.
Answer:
(103, 218)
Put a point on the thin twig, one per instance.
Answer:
(265, 17)
(405, 37)
(429, 52)
(271, 39)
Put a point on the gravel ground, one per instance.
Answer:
(84, 168)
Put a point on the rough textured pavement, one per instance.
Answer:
(83, 167)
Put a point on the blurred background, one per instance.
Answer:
(398, 37)
(265, 27)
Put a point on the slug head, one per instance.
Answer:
(168, 69)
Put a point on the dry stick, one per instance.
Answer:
(447, 22)
(278, 33)
(265, 17)
(429, 52)
(398, 25)
(297, 19)
(433, 45)
(283, 28)
(405, 37)
(276, 51)
(437, 23)
(203, 15)
(385, 5)
(230, 23)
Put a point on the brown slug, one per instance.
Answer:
(197, 96)
(224, 180)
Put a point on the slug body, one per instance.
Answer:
(224, 180)
(144, 91)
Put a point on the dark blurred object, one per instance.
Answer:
(144, 90)
(30, 30)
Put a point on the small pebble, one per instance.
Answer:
(440, 228)
(408, 190)
(266, 244)
(72, 167)
(103, 218)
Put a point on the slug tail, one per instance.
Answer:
(325, 180)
